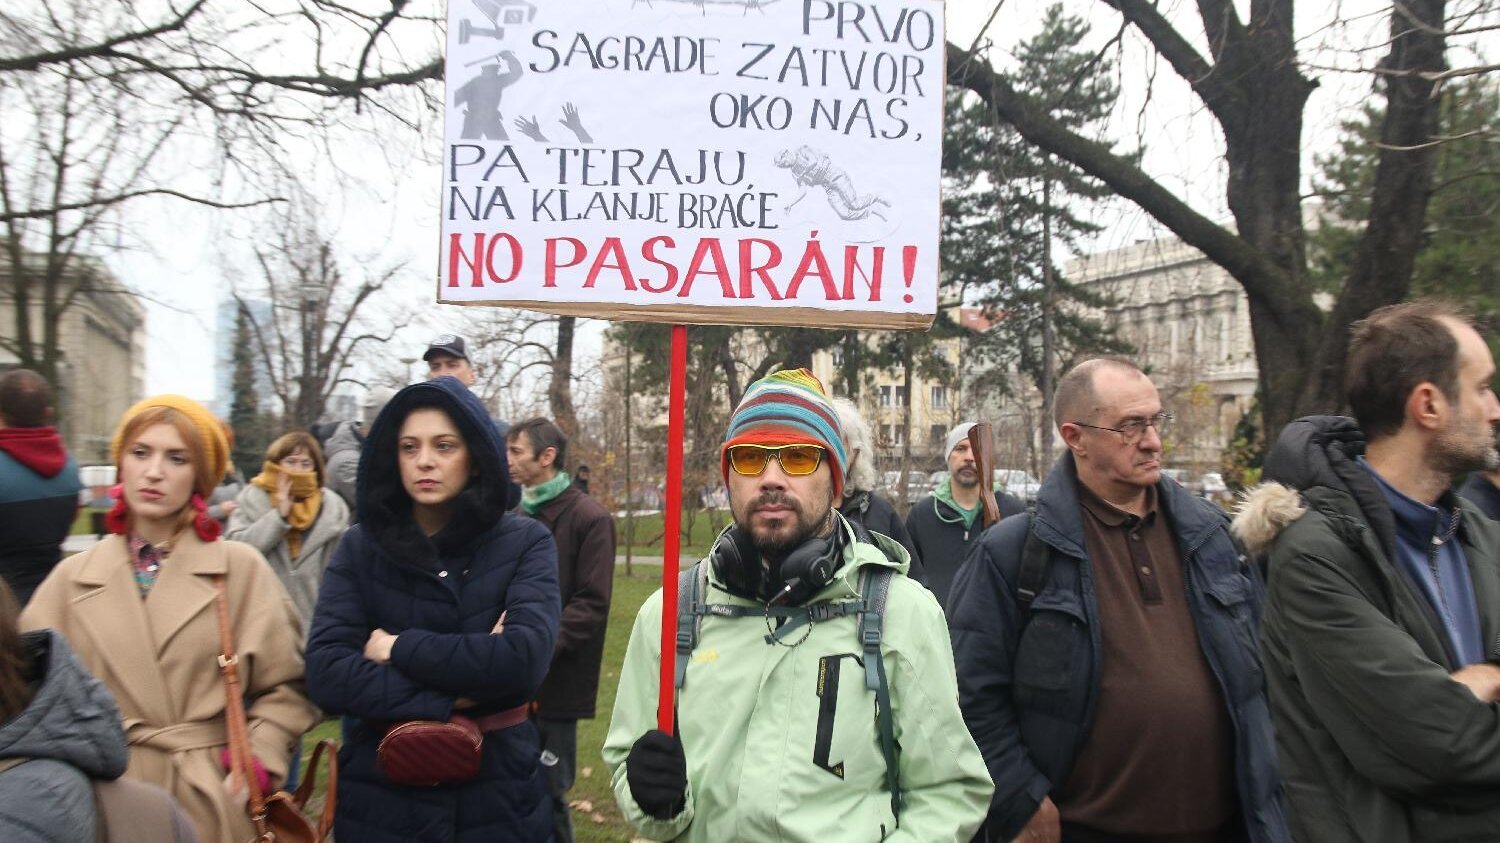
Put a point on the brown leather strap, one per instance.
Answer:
(503, 720)
(309, 781)
(982, 446)
(234, 716)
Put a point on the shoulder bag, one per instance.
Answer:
(278, 817)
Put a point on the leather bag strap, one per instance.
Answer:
(234, 717)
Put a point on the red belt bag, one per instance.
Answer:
(427, 753)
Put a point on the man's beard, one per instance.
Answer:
(966, 477)
(1453, 454)
(775, 545)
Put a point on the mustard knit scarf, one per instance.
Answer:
(307, 500)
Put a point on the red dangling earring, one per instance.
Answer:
(205, 525)
(117, 520)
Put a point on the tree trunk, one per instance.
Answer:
(560, 390)
(1256, 93)
(1404, 173)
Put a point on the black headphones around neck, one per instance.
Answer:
(806, 570)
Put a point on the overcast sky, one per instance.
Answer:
(389, 209)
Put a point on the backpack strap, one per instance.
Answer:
(874, 587)
(692, 585)
(1036, 561)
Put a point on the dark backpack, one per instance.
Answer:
(692, 606)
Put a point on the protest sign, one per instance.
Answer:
(695, 161)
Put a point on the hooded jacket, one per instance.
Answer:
(442, 597)
(942, 535)
(341, 460)
(1029, 678)
(781, 742)
(38, 498)
(1377, 742)
(875, 513)
(71, 729)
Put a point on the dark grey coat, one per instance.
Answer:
(1377, 743)
(71, 729)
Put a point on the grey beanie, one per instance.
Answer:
(956, 435)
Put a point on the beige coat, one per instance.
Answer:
(159, 658)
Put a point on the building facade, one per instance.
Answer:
(1190, 323)
(102, 363)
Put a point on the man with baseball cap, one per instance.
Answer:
(783, 732)
(447, 355)
(945, 524)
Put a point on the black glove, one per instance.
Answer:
(656, 771)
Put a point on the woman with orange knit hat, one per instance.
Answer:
(139, 609)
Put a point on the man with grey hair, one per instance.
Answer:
(945, 524)
(1105, 645)
(861, 506)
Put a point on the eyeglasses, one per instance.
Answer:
(1133, 430)
(795, 460)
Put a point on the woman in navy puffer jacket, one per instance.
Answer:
(440, 601)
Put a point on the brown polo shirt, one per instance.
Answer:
(1159, 759)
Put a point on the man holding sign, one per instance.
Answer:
(816, 695)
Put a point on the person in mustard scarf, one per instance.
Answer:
(287, 514)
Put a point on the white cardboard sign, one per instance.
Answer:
(701, 161)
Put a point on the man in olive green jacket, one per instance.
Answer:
(1381, 632)
(777, 736)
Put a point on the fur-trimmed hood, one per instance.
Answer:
(1313, 453)
(1263, 512)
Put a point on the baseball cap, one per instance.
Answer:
(446, 344)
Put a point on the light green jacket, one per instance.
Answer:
(751, 715)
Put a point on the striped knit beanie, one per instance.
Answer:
(788, 408)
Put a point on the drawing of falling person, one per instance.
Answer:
(482, 95)
(812, 167)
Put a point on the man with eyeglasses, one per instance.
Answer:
(779, 734)
(1106, 645)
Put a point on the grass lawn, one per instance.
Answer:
(596, 818)
(699, 533)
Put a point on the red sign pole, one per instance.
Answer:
(672, 527)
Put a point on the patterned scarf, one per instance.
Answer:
(145, 559)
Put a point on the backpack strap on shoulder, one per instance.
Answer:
(874, 587)
(692, 586)
(1036, 560)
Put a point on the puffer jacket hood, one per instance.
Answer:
(345, 437)
(382, 502)
(1315, 452)
(71, 717)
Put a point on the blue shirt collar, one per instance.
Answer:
(1415, 521)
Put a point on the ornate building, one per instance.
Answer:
(1190, 323)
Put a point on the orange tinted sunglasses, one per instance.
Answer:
(795, 460)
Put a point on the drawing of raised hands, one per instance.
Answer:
(530, 128)
(574, 123)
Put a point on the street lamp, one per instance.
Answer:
(410, 362)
